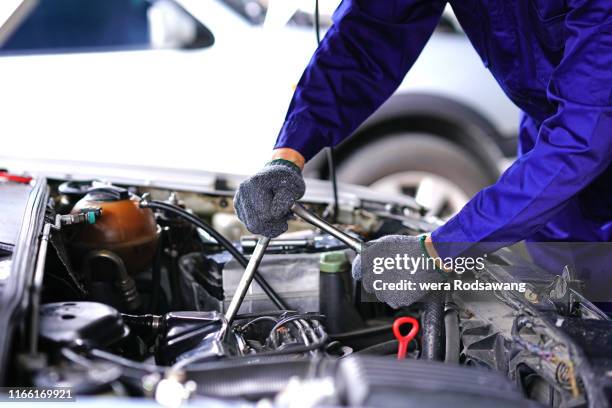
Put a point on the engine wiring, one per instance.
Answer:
(331, 166)
(163, 206)
(565, 373)
(307, 326)
(301, 318)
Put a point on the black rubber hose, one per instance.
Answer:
(144, 325)
(453, 336)
(432, 321)
(265, 286)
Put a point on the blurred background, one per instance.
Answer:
(205, 84)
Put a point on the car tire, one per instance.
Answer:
(410, 154)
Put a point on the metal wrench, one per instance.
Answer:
(260, 249)
(246, 279)
(353, 243)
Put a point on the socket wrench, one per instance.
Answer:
(260, 249)
(246, 279)
(300, 211)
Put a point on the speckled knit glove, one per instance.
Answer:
(263, 201)
(409, 262)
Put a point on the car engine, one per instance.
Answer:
(134, 285)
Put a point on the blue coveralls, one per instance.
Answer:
(553, 58)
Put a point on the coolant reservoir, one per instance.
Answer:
(124, 228)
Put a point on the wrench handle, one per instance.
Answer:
(246, 279)
(353, 243)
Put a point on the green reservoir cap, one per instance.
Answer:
(91, 217)
(333, 262)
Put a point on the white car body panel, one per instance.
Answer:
(217, 109)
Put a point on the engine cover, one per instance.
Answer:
(81, 323)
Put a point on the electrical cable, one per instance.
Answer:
(362, 332)
(256, 320)
(124, 362)
(317, 22)
(331, 167)
(273, 332)
(332, 175)
(388, 348)
(291, 349)
(252, 315)
(265, 286)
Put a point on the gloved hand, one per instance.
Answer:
(410, 262)
(263, 201)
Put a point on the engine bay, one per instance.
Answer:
(135, 283)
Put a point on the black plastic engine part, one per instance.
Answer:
(197, 336)
(382, 382)
(201, 283)
(364, 381)
(71, 192)
(335, 301)
(75, 188)
(81, 323)
(257, 379)
(92, 378)
(160, 205)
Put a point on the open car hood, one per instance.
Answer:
(317, 191)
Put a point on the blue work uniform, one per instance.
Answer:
(553, 58)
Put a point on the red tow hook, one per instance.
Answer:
(6, 176)
(404, 341)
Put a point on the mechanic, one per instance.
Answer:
(553, 58)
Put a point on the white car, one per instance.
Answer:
(205, 84)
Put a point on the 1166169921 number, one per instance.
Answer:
(36, 394)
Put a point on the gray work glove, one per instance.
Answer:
(263, 201)
(367, 264)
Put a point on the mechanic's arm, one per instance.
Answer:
(574, 146)
(360, 62)
(358, 65)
